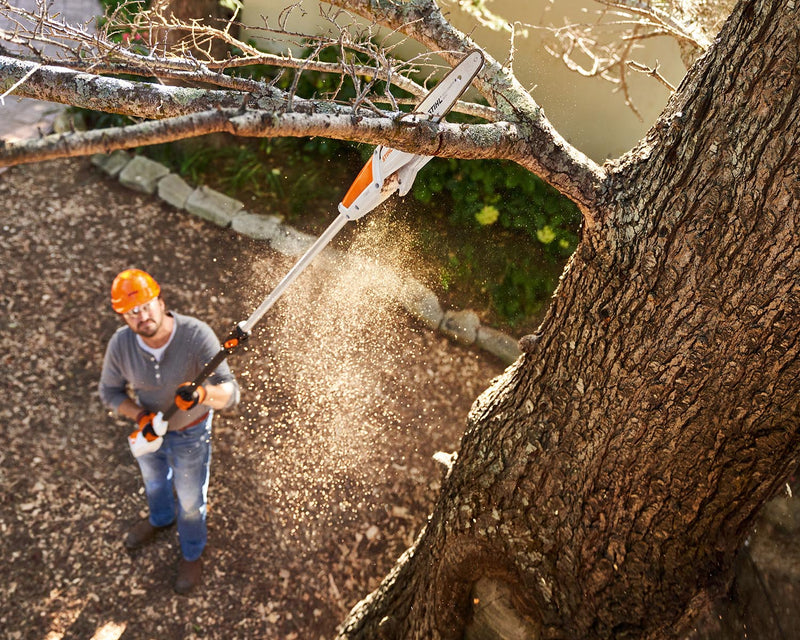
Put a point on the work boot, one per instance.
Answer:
(142, 533)
(189, 574)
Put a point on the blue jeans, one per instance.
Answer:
(181, 464)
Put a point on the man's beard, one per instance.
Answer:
(148, 328)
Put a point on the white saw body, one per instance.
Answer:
(390, 170)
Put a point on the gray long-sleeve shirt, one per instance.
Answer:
(193, 344)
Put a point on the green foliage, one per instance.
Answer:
(488, 215)
(487, 192)
(125, 7)
(523, 291)
(119, 21)
(276, 169)
(514, 232)
(499, 271)
(123, 12)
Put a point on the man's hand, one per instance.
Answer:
(152, 423)
(148, 437)
(160, 425)
(141, 444)
(188, 396)
(144, 418)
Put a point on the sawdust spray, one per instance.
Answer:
(336, 399)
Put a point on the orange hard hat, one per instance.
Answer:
(132, 288)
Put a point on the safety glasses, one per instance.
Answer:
(137, 310)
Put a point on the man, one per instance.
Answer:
(153, 356)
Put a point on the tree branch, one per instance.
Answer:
(548, 154)
(100, 54)
(482, 141)
(68, 145)
(112, 95)
(444, 139)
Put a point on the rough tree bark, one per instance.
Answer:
(607, 480)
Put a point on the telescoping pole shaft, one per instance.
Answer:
(296, 270)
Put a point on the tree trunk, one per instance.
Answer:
(606, 481)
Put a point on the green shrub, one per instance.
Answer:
(482, 193)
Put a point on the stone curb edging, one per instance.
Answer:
(153, 178)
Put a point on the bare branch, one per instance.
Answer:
(102, 55)
(444, 139)
(655, 16)
(113, 95)
(105, 140)
(652, 72)
(18, 84)
(148, 100)
(604, 48)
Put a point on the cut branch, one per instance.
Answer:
(50, 84)
(444, 139)
(574, 175)
(100, 54)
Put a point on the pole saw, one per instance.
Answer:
(387, 170)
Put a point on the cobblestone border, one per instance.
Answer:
(150, 177)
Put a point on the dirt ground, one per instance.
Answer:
(320, 478)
